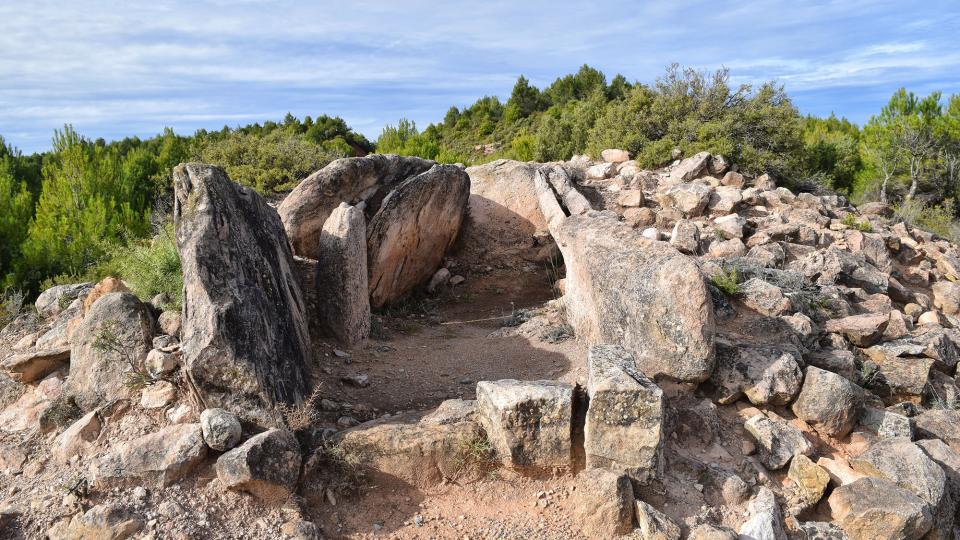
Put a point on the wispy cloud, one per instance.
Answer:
(136, 67)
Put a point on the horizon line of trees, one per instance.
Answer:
(82, 208)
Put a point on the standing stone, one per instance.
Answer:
(413, 229)
(659, 308)
(829, 402)
(244, 337)
(267, 466)
(350, 180)
(686, 237)
(603, 503)
(116, 332)
(343, 298)
(624, 406)
(527, 422)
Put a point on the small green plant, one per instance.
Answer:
(474, 454)
(869, 372)
(109, 339)
(727, 281)
(851, 221)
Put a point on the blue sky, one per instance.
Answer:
(130, 68)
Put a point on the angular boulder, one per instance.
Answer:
(603, 503)
(411, 232)
(32, 366)
(342, 292)
(55, 299)
(828, 401)
(422, 450)
(766, 520)
(266, 466)
(862, 330)
(112, 338)
(765, 374)
(350, 180)
(505, 219)
(244, 337)
(158, 459)
(623, 288)
(878, 509)
(624, 406)
(528, 422)
(777, 441)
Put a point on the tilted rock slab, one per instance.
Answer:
(157, 459)
(244, 338)
(627, 289)
(624, 406)
(343, 299)
(528, 423)
(413, 229)
(350, 180)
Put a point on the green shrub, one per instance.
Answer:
(727, 281)
(149, 267)
(853, 222)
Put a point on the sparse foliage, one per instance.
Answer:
(302, 416)
(109, 339)
(727, 280)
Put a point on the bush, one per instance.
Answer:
(727, 281)
(938, 219)
(851, 221)
(149, 267)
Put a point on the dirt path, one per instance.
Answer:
(440, 348)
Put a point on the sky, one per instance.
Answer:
(116, 69)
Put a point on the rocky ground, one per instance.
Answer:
(604, 351)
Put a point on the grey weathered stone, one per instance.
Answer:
(422, 450)
(603, 503)
(102, 522)
(660, 310)
(828, 401)
(221, 429)
(878, 509)
(861, 330)
(690, 168)
(766, 520)
(170, 323)
(886, 423)
(527, 422)
(777, 441)
(690, 199)
(939, 424)
(266, 465)
(906, 464)
(686, 237)
(55, 299)
(412, 230)
(77, 438)
(349, 180)
(905, 377)
(244, 338)
(158, 459)
(116, 332)
(624, 406)
(766, 374)
(764, 298)
(654, 524)
(342, 292)
(948, 459)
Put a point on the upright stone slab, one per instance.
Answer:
(413, 229)
(343, 300)
(624, 406)
(244, 337)
(349, 180)
(527, 422)
(624, 288)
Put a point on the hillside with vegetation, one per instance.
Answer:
(88, 208)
